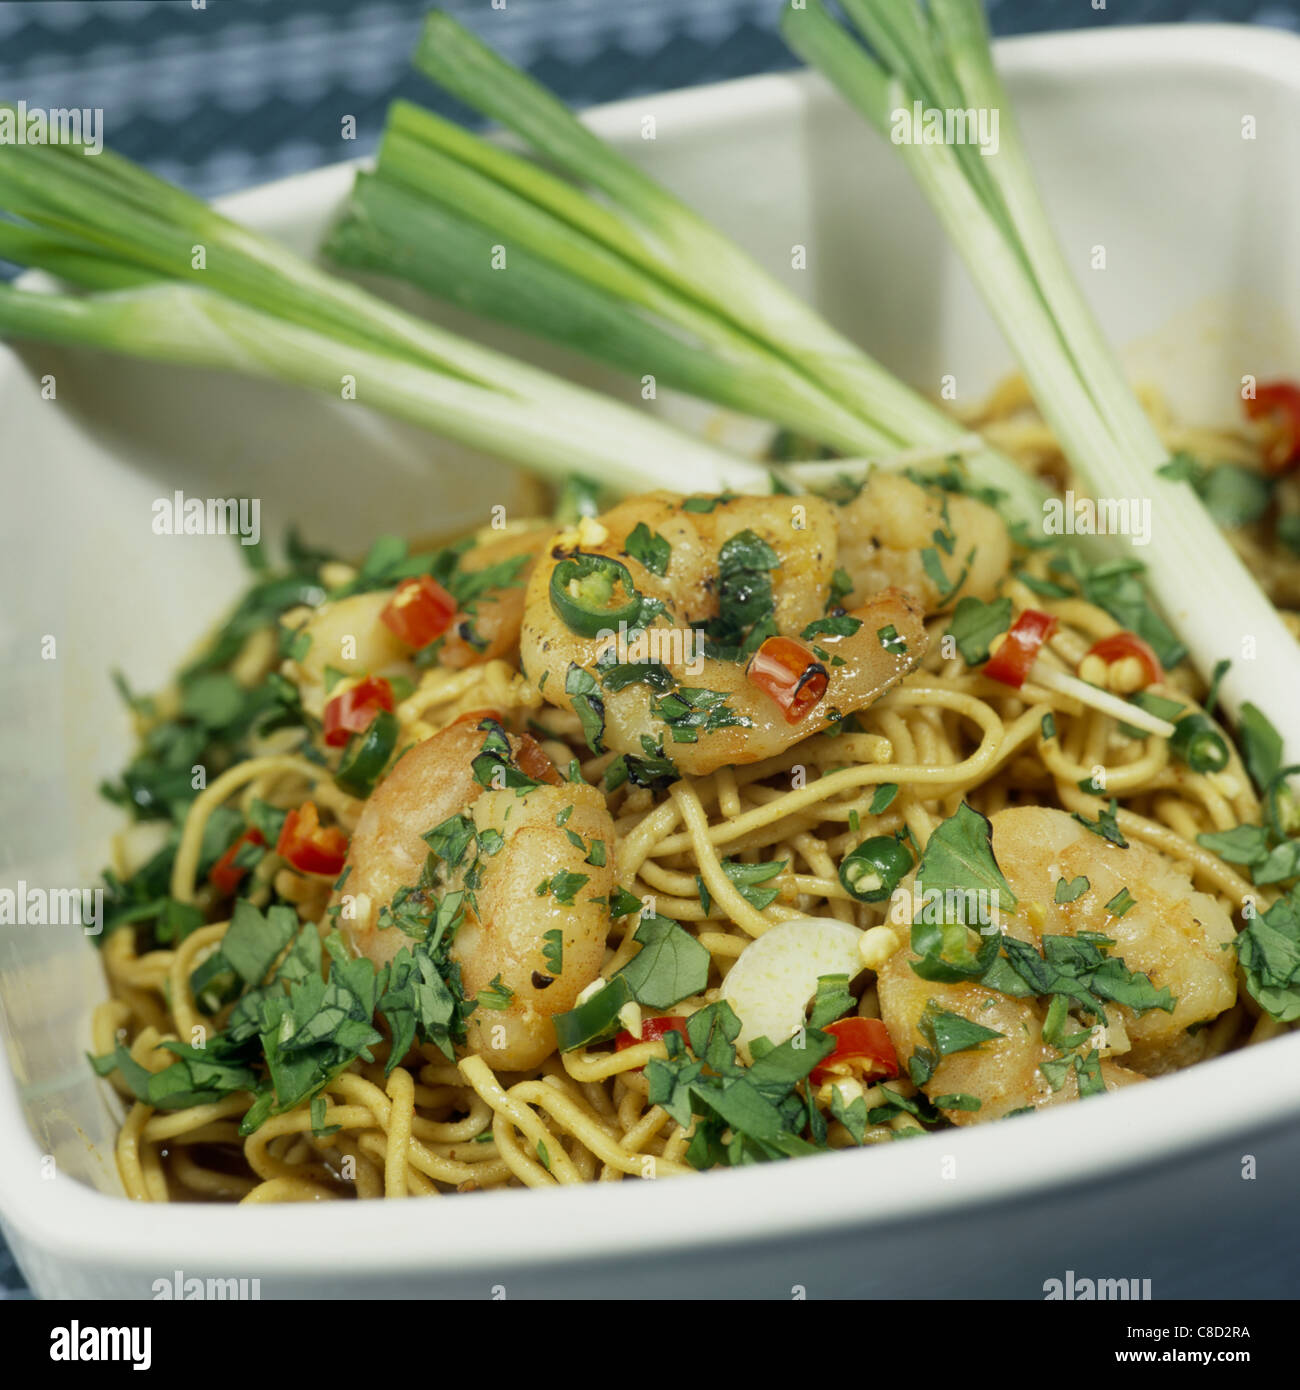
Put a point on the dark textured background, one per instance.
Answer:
(242, 91)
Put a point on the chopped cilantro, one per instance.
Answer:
(495, 995)
(747, 878)
(1106, 825)
(975, 624)
(833, 1000)
(688, 712)
(562, 886)
(891, 640)
(494, 765)
(1071, 891)
(670, 966)
(649, 548)
(738, 1114)
(881, 800)
(1121, 903)
(945, 1032)
(933, 567)
(1221, 669)
(1261, 745)
(841, 625)
(746, 603)
(1269, 952)
(588, 704)
(841, 588)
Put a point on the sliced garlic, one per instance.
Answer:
(775, 976)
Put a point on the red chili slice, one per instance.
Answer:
(419, 612)
(1126, 644)
(532, 761)
(861, 1044)
(788, 672)
(354, 710)
(225, 875)
(309, 846)
(1279, 403)
(1011, 663)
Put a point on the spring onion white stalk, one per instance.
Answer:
(1065, 684)
(176, 323)
(634, 276)
(989, 205)
(180, 282)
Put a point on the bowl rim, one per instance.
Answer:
(1229, 1097)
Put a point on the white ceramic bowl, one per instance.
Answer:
(1138, 138)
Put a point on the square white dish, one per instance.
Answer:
(1138, 138)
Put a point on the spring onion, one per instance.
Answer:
(176, 281)
(626, 273)
(987, 200)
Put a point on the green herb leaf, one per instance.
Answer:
(495, 995)
(1106, 825)
(959, 855)
(1069, 892)
(1121, 903)
(1269, 952)
(832, 1000)
(649, 548)
(1261, 745)
(747, 878)
(882, 798)
(670, 966)
(947, 1032)
(689, 712)
(975, 624)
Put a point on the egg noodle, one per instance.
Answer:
(945, 735)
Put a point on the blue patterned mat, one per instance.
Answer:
(242, 91)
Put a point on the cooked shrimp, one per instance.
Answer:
(886, 530)
(346, 635)
(1181, 939)
(703, 585)
(489, 625)
(545, 831)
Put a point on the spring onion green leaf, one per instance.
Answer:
(605, 260)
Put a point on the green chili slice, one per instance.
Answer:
(584, 594)
(1199, 744)
(946, 956)
(367, 754)
(873, 870)
(597, 1019)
